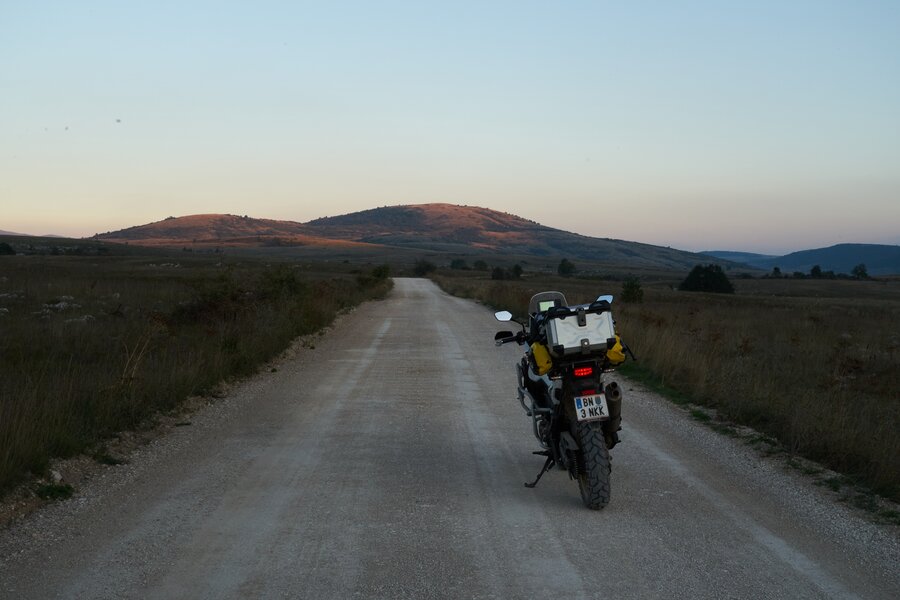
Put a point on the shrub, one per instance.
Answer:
(381, 272)
(632, 290)
(707, 278)
(6, 249)
(378, 276)
(424, 267)
(566, 268)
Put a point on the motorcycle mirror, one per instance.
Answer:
(605, 298)
(503, 315)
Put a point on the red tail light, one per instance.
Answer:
(584, 371)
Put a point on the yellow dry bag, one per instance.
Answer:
(542, 358)
(616, 354)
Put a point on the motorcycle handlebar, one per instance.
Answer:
(519, 337)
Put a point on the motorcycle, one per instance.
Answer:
(575, 416)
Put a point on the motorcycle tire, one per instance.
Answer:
(594, 468)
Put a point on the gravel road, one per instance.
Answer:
(388, 462)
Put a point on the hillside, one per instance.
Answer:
(427, 227)
(453, 228)
(880, 259)
(219, 230)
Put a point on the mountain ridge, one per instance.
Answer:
(426, 227)
(459, 229)
(879, 259)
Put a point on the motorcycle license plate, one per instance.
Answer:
(591, 408)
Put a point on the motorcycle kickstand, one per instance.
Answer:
(547, 464)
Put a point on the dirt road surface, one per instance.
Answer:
(388, 462)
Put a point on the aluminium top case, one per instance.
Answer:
(580, 331)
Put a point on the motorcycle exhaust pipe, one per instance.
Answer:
(614, 405)
(613, 392)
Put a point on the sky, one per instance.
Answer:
(764, 126)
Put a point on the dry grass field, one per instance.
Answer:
(93, 345)
(812, 363)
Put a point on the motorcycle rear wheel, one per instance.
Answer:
(594, 470)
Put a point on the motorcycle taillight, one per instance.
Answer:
(584, 371)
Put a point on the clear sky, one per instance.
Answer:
(766, 126)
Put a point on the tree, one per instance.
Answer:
(707, 278)
(516, 272)
(860, 271)
(566, 268)
(776, 272)
(498, 273)
(6, 249)
(423, 267)
(459, 263)
(632, 290)
(815, 272)
(480, 265)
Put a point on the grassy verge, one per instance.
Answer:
(90, 346)
(818, 370)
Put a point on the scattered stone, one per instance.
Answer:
(81, 319)
(56, 477)
(62, 305)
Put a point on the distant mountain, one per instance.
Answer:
(880, 259)
(432, 227)
(218, 230)
(748, 258)
(46, 235)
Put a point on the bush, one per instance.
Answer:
(381, 272)
(424, 267)
(632, 290)
(566, 268)
(707, 278)
(377, 277)
(6, 249)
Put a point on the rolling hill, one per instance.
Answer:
(221, 230)
(442, 228)
(880, 259)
